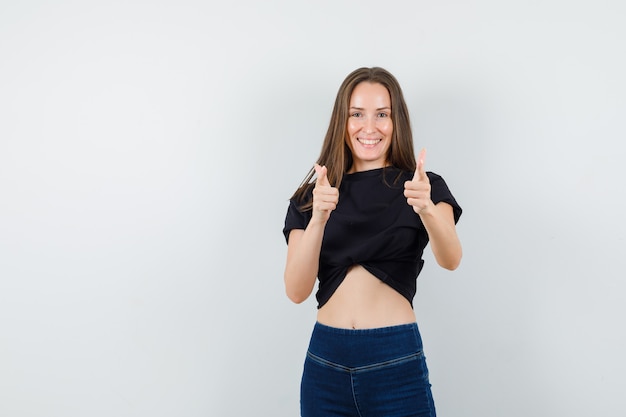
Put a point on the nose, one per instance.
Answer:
(370, 125)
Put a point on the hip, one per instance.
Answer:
(364, 349)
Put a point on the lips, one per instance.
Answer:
(369, 142)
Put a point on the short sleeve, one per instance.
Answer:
(295, 219)
(439, 192)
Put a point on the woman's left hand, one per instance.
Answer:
(417, 191)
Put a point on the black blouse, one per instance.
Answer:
(373, 226)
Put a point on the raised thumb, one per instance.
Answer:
(321, 172)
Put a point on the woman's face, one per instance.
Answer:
(369, 126)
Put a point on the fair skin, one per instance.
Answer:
(369, 126)
(362, 300)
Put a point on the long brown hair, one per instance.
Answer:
(336, 154)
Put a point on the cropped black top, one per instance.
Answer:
(373, 226)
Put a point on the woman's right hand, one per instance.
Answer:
(325, 197)
(303, 249)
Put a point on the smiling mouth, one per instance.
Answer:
(369, 142)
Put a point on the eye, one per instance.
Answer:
(355, 114)
(382, 115)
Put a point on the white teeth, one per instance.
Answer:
(369, 141)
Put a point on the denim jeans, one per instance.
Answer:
(366, 373)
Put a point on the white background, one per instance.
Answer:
(148, 150)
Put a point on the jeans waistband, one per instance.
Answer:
(357, 348)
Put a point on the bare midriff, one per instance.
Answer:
(363, 301)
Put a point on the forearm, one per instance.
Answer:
(303, 261)
(444, 241)
(303, 253)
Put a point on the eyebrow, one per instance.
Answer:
(361, 108)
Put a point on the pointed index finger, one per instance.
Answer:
(420, 173)
(321, 171)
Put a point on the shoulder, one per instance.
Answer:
(437, 181)
(439, 192)
(433, 176)
(303, 196)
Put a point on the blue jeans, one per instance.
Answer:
(366, 373)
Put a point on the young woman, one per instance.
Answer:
(360, 228)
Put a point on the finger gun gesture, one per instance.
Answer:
(325, 197)
(417, 191)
